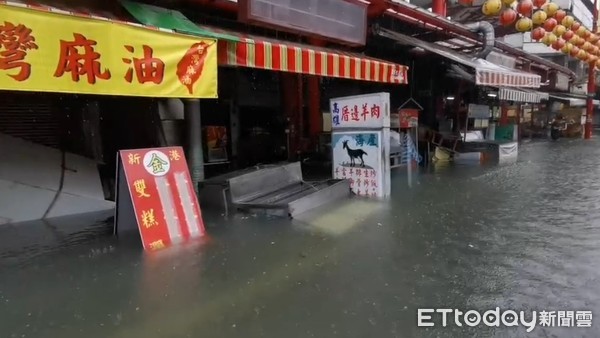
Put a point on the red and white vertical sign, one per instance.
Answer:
(162, 196)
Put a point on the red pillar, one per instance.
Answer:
(503, 113)
(293, 111)
(439, 7)
(591, 84)
(518, 121)
(315, 116)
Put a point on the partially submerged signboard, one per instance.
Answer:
(361, 142)
(155, 192)
(358, 157)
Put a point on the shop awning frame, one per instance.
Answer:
(521, 95)
(486, 73)
(277, 55)
(574, 100)
(237, 49)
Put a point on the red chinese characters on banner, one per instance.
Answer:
(355, 114)
(191, 65)
(147, 69)
(362, 181)
(78, 64)
(15, 41)
(345, 114)
(364, 114)
(163, 198)
(375, 111)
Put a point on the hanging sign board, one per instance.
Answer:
(155, 192)
(361, 111)
(478, 111)
(43, 51)
(409, 118)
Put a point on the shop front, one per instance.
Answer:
(104, 78)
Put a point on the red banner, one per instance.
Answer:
(164, 202)
(409, 118)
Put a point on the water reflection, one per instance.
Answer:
(523, 236)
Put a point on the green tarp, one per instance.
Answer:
(170, 19)
(504, 133)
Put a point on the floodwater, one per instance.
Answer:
(522, 237)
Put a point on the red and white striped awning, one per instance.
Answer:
(526, 96)
(277, 55)
(489, 74)
(486, 73)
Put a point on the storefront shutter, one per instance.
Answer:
(30, 116)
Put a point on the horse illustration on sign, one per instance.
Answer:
(354, 154)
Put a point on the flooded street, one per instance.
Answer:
(522, 237)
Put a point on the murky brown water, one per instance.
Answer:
(522, 237)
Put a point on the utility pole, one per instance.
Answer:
(591, 83)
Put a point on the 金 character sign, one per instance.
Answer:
(165, 206)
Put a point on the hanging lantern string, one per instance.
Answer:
(548, 24)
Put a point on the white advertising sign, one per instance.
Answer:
(362, 157)
(361, 111)
(477, 111)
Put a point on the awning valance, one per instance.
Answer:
(277, 55)
(526, 96)
(574, 100)
(486, 73)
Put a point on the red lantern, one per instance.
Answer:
(559, 15)
(560, 43)
(587, 35)
(508, 17)
(525, 7)
(575, 26)
(595, 50)
(579, 42)
(538, 33)
(588, 47)
(582, 55)
(574, 51)
(550, 24)
(539, 3)
(568, 35)
(594, 38)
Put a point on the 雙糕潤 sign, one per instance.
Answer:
(360, 111)
(49, 52)
(155, 186)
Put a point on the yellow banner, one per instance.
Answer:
(50, 52)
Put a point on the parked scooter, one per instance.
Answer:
(557, 126)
